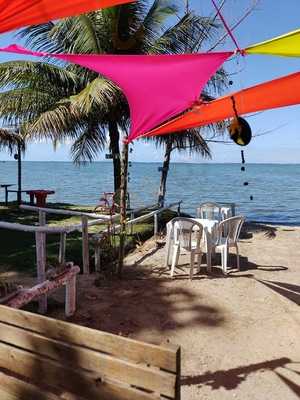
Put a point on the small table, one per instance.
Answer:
(6, 186)
(210, 230)
(40, 195)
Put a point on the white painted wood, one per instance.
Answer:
(62, 248)
(85, 245)
(97, 257)
(70, 304)
(40, 240)
(29, 228)
(66, 212)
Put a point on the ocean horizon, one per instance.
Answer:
(275, 188)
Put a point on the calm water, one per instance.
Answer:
(275, 188)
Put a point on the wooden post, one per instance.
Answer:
(85, 245)
(6, 195)
(41, 259)
(131, 225)
(19, 194)
(123, 203)
(70, 302)
(97, 257)
(155, 225)
(62, 248)
(40, 240)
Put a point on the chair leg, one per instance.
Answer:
(225, 259)
(167, 259)
(192, 264)
(237, 258)
(175, 258)
(199, 261)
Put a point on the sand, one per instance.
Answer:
(240, 334)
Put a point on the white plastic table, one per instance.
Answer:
(210, 229)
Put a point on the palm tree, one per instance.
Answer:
(66, 102)
(10, 141)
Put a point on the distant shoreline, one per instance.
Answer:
(152, 162)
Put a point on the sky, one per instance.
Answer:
(282, 144)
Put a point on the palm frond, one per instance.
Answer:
(90, 142)
(10, 141)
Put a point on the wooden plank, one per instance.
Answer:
(83, 383)
(119, 346)
(105, 366)
(14, 388)
(85, 245)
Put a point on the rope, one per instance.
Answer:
(227, 28)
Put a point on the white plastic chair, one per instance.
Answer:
(228, 234)
(209, 211)
(186, 234)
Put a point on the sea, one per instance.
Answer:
(263, 192)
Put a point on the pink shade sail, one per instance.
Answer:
(157, 87)
(17, 13)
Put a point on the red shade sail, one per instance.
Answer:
(17, 13)
(157, 87)
(277, 93)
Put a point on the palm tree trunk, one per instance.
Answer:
(114, 136)
(123, 207)
(164, 174)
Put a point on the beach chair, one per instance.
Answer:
(209, 210)
(187, 235)
(228, 234)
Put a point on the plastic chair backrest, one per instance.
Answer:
(210, 211)
(230, 228)
(184, 232)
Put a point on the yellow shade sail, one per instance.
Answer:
(287, 45)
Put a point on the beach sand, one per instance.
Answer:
(240, 334)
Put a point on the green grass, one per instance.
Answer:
(17, 249)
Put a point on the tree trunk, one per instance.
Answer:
(123, 204)
(164, 175)
(114, 137)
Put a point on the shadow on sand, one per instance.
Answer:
(230, 379)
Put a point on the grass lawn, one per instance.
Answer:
(17, 249)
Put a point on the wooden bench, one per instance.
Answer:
(67, 278)
(43, 358)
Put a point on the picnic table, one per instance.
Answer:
(6, 186)
(40, 195)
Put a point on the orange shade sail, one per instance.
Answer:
(277, 93)
(15, 14)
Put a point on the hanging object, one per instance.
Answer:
(244, 169)
(15, 14)
(150, 82)
(239, 129)
(281, 92)
(287, 45)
